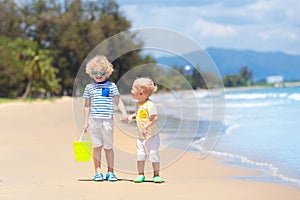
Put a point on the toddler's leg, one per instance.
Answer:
(156, 166)
(141, 166)
(156, 177)
(141, 177)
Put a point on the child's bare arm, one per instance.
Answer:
(122, 108)
(153, 119)
(131, 117)
(87, 106)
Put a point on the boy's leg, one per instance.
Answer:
(110, 176)
(109, 153)
(97, 159)
(108, 138)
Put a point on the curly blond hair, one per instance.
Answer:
(145, 85)
(99, 62)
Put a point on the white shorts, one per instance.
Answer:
(148, 149)
(102, 132)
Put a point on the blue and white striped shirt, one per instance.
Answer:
(101, 96)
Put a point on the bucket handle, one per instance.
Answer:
(81, 137)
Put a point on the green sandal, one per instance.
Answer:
(157, 179)
(139, 179)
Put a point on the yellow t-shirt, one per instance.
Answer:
(144, 111)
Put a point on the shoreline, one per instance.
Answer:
(39, 163)
(18, 101)
(266, 172)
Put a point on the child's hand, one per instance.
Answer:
(124, 119)
(130, 118)
(144, 132)
(85, 128)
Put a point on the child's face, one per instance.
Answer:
(98, 75)
(138, 94)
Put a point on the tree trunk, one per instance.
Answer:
(27, 90)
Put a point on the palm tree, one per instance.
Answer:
(40, 74)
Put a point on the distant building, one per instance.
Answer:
(275, 79)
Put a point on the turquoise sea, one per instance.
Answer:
(260, 129)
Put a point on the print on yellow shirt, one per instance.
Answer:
(143, 114)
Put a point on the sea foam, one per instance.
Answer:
(274, 171)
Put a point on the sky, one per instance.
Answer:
(259, 25)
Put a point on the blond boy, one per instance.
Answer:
(98, 114)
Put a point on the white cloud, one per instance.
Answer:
(264, 35)
(282, 34)
(207, 29)
(268, 25)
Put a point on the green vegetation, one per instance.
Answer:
(196, 79)
(243, 78)
(27, 100)
(43, 43)
(6, 100)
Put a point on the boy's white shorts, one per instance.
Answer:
(102, 132)
(148, 149)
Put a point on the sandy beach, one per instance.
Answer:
(37, 162)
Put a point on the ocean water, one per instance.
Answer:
(260, 129)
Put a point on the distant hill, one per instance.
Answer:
(262, 64)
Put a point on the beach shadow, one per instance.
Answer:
(92, 180)
(120, 179)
